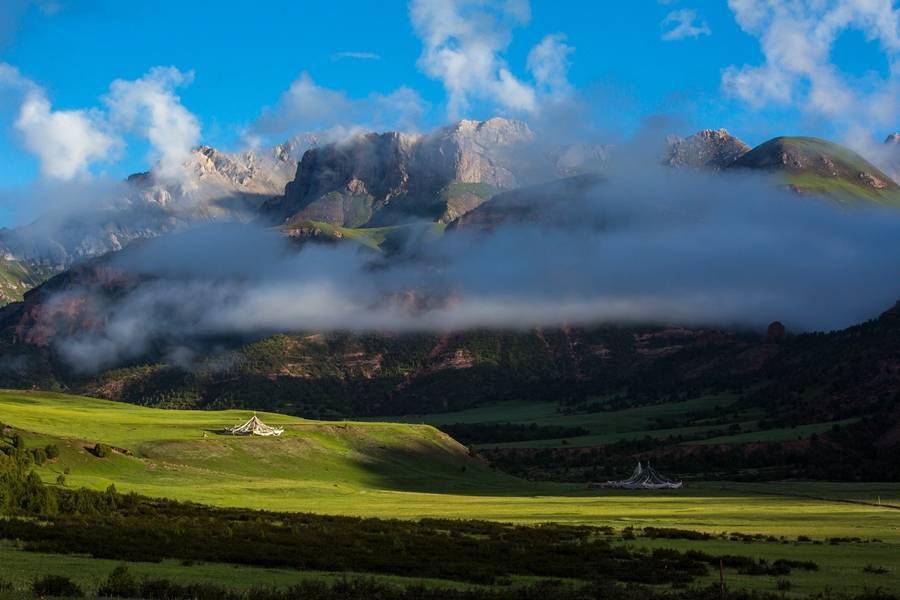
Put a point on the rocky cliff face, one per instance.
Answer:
(713, 149)
(474, 152)
(345, 183)
(392, 177)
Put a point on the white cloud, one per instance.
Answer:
(548, 62)
(797, 39)
(150, 107)
(66, 142)
(309, 107)
(464, 41)
(464, 45)
(683, 23)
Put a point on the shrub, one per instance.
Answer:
(875, 570)
(61, 480)
(39, 455)
(56, 585)
(783, 585)
(674, 534)
(52, 451)
(5, 586)
(102, 450)
(120, 583)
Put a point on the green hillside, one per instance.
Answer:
(16, 278)
(414, 472)
(382, 239)
(184, 455)
(371, 469)
(816, 166)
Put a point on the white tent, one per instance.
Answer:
(642, 479)
(254, 427)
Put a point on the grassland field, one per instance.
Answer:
(630, 423)
(412, 471)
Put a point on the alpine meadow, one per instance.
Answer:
(450, 299)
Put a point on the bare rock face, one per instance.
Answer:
(713, 149)
(389, 177)
(473, 152)
(345, 183)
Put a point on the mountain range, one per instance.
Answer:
(375, 189)
(377, 180)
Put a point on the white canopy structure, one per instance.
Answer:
(642, 479)
(254, 427)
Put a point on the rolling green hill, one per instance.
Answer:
(369, 469)
(816, 166)
(381, 239)
(184, 455)
(16, 278)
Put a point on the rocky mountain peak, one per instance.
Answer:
(713, 149)
(478, 151)
(819, 167)
(383, 177)
(894, 138)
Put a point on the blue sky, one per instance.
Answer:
(705, 63)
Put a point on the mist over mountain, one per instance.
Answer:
(671, 239)
(393, 177)
(653, 245)
(892, 155)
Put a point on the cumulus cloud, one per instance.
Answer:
(309, 107)
(69, 142)
(548, 63)
(464, 43)
(66, 142)
(149, 107)
(683, 23)
(656, 246)
(797, 39)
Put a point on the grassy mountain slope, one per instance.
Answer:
(183, 454)
(382, 239)
(816, 166)
(16, 278)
